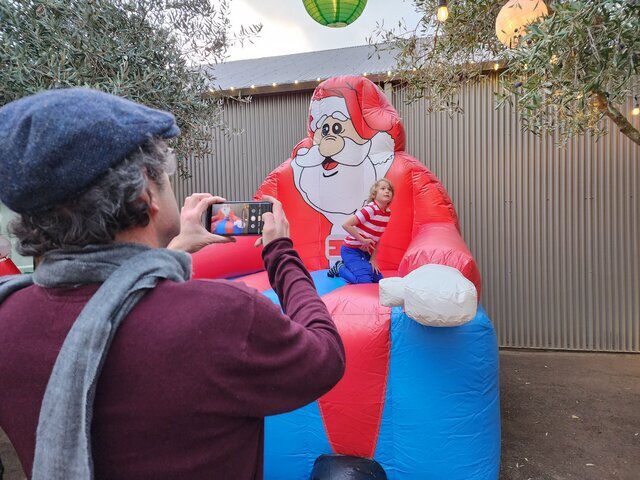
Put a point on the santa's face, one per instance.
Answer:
(332, 137)
(335, 173)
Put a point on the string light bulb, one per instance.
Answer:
(515, 16)
(443, 11)
(636, 108)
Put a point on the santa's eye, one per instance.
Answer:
(337, 128)
(325, 129)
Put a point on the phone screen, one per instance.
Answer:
(236, 218)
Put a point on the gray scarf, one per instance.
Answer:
(126, 271)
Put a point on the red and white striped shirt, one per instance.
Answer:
(371, 224)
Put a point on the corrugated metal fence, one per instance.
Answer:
(554, 230)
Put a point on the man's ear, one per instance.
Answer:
(148, 199)
(148, 196)
(151, 201)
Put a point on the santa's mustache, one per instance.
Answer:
(352, 154)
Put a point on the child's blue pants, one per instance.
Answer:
(356, 267)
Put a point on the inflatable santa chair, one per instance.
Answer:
(420, 395)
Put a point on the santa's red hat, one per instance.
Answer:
(360, 100)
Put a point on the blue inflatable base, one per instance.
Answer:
(441, 417)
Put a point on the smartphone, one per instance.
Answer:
(236, 218)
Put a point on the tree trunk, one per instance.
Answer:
(620, 120)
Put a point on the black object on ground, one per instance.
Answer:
(346, 467)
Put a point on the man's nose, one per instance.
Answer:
(331, 145)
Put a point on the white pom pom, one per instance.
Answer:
(434, 295)
(439, 296)
(392, 292)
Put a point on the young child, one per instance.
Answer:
(365, 227)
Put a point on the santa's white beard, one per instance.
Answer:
(341, 190)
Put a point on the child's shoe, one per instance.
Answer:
(335, 270)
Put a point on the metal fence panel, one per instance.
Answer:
(272, 125)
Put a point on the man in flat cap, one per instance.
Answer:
(114, 364)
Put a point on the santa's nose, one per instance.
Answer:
(331, 145)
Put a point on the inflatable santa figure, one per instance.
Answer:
(409, 389)
(355, 137)
(344, 155)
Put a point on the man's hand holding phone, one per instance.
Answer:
(276, 224)
(193, 235)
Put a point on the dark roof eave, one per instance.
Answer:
(487, 67)
(291, 87)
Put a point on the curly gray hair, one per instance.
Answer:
(96, 215)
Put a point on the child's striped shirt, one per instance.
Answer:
(371, 224)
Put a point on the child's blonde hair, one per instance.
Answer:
(374, 189)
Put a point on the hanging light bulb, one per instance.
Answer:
(636, 109)
(443, 11)
(513, 18)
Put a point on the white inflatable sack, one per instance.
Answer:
(434, 295)
(392, 292)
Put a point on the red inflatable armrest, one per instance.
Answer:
(442, 244)
(226, 260)
(7, 267)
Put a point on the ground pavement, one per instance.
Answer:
(569, 416)
(565, 416)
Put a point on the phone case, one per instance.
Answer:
(236, 218)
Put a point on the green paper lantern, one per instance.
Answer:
(334, 13)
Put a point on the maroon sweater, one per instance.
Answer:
(190, 375)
